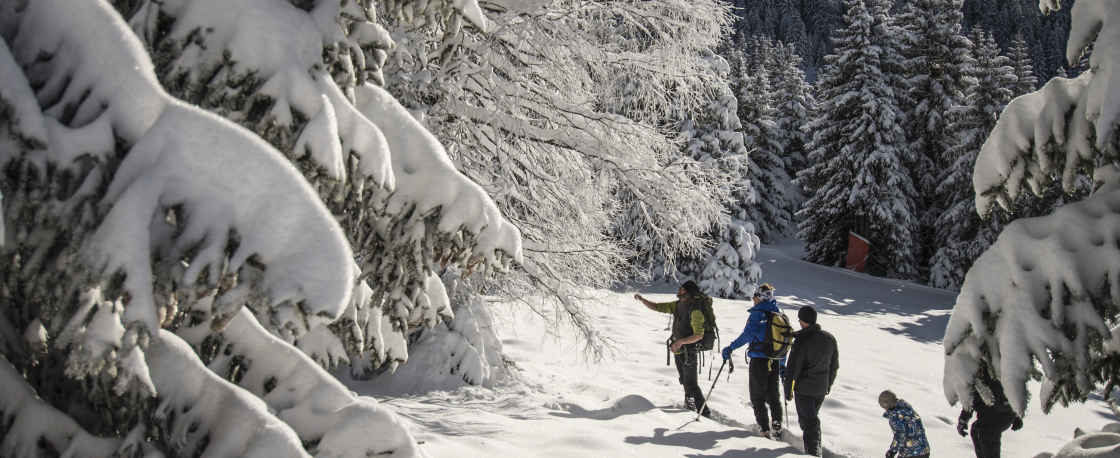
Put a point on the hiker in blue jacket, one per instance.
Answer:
(909, 434)
(763, 370)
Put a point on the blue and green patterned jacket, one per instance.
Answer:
(909, 434)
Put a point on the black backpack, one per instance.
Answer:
(779, 336)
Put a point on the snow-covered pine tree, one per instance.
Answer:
(1021, 62)
(936, 56)
(961, 235)
(138, 225)
(1045, 295)
(858, 180)
(726, 268)
(794, 107)
(312, 97)
(772, 209)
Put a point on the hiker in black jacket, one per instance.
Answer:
(688, 329)
(991, 420)
(810, 373)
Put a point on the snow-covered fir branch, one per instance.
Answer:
(1045, 294)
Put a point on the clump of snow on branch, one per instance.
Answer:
(463, 351)
(30, 421)
(200, 411)
(1046, 293)
(315, 405)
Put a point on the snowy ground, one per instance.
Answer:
(889, 334)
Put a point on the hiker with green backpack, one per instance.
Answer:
(769, 334)
(693, 331)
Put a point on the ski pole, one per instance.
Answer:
(705, 404)
(787, 410)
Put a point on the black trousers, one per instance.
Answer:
(988, 431)
(764, 390)
(808, 408)
(687, 369)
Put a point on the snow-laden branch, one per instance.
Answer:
(1038, 134)
(32, 425)
(175, 195)
(1046, 291)
(310, 401)
(201, 413)
(131, 211)
(296, 76)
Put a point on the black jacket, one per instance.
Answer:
(682, 318)
(999, 412)
(813, 362)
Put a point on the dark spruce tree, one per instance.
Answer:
(772, 210)
(1045, 35)
(794, 106)
(858, 180)
(961, 234)
(1020, 61)
(936, 58)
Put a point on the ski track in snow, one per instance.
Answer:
(889, 333)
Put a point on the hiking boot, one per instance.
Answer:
(776, 430)
(765, 433)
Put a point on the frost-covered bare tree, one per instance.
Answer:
(564, 112)
(159, 260)
(1047, 294)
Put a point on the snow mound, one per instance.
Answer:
(1095, 445)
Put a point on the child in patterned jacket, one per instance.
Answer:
(909, 434)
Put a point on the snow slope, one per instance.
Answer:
(889, 333)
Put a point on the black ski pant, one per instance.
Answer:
(808, 408)
(987, 431)
(764, 390)
(687, 369)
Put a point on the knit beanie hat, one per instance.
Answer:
(807, 314)
(765, 292)
(887, 399)
(691, 287)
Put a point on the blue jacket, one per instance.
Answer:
(755, 331)
(909, 434)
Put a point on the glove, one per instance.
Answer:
(726, 353)
(962, 427)
(890, 454)
(789, 396)
(1017, 424)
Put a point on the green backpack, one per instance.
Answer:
(710, 329)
